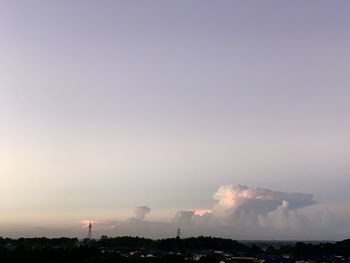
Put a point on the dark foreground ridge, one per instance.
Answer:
(135, 249)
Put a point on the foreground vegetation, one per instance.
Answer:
(134, 249)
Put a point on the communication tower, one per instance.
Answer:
(90, 231)
(178, 233)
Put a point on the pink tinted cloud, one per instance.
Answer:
(202, 212)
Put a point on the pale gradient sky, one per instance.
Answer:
(109, 105)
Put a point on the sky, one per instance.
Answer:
(168, 113)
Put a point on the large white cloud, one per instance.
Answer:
(235, 199)
(239, 212)
(249, 205)
(257, 213)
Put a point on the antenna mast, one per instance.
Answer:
(90, 231)
(178, 233)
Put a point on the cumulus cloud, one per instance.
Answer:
(190, 217)
(202, 212)
(140, 214)
(282, 218)
(237, 199)
(250, 212)
(239, 206)
(184, 217)
(240, 212)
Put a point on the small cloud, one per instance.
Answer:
(202, 212)
(183, 217)
(140, 214)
